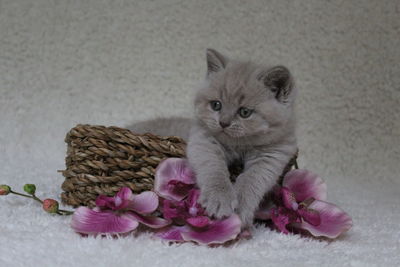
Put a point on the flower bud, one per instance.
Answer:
(50, 205)
(4, 190)
(30, 188)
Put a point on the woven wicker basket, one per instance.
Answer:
(101, 160)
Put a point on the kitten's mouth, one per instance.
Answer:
(225, 133)
(230, 134)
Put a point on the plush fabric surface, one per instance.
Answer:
(116, 62)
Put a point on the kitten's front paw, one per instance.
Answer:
(246, 207)
(247, 218)
(218, 202)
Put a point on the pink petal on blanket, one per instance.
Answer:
(150, 221)
(144, 203)
(173, 179)
(217, 232)
(199, 222)
(87, 221)
(334, 221)
(173, 233)
(305, 184)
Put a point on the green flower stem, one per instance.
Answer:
(20, 194)
(36, 198)
(59, 212)
(66, 212)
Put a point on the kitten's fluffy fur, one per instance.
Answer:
(264, 142)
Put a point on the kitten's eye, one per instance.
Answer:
(245, 112)
(216, 105)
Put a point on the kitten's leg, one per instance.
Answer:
(207, 157)
(261, 172)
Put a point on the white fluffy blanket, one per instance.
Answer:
(115, 62)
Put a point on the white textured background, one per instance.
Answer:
(115, 62)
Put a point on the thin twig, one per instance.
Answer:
(34, 197)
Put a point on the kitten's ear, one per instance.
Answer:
(279, 80)
(215, 61)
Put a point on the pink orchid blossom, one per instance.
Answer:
(175, 182)
(173, 179)
(119, 214)
(300, 203)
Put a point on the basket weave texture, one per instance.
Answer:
(101, 160)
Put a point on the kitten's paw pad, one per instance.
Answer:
(218, 203)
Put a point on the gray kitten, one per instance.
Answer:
(243, 113)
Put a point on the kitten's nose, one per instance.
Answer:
(224, 124)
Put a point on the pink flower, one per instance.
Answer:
(181, 211)
(175, 182)
(300, 203)
(119, 214)
(173, 179)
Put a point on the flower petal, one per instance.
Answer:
(193, 196)
(217, 232)
(280, 219)
(174, 209)
(169, 174)
(125, 193)
(105, 201)
(305, 184)
(334, 221)
(123, 198)
(194, 208)
(173, 233)
(119, 201)
(144, 203)
(87, 221)
(311, 216)
(288, 199)
(150, 221)
(199, 222)
(179, 188)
